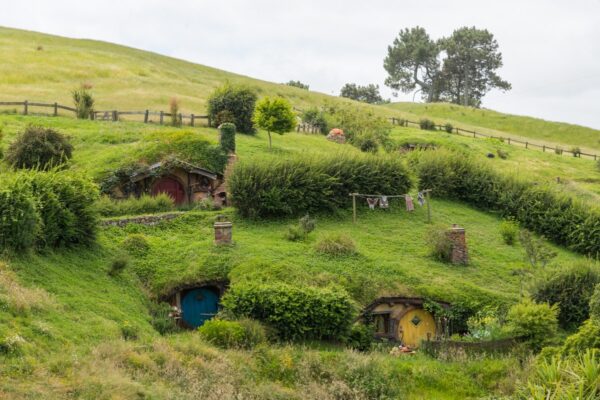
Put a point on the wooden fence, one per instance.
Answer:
(516, 142)
(110, 115)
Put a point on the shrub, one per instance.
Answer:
(307, 224)
(39, 148)
(144, 204)
(274, 115)
(336, 244)
(239, 101)
(129, 331)
(316, 118)
(174, 111)
(558, 150)
(224, 117)
(502, 154)
(118, 265)
(558, 217)
(586, 337)
(12, 345)
(595, 303)
(19, 219)
(509, 231)
(161, 319)
(207, 204)
(227, 137)
(358, 124)
(367, 144)
(440, 245)
(294, 312)
(360, 337)
(576, 151)
(287, 187)
(84, 101)
(244, 334)
(136, 244)
(448, 128)
(427, 124)
(535, 323)
(571, 289)
(294, 233)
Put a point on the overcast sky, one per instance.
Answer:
(551, 48)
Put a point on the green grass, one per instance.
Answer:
(499, 124)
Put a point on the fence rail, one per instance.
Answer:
(512, 141)
(110, 115)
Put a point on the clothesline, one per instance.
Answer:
(373, 199)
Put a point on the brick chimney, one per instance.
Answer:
(460, 254)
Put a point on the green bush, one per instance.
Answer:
(316, 118)
(576, 151)
(571, 289)
(360, 337)
(161, 319)
(129, 331)
(502, 154)
(557, 216)
(294, 233)
(294, 312)
(174, 111)
(84, 102)
(427, 124)
(287, 187)
(301, 231)
(227, 137)
(336, 244)
(440, 245)
(39, 148)
(595, 303)
(534, 323)
(586, 337)
(509, 230)
(558, 150)
(239, 101)
(448, 128)
(118, 265)
(136, 244)
(145, 204)
(19, 218)
(243, 334)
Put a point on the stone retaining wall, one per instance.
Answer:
(148, 220)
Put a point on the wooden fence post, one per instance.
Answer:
(544, 148)
(115, 115)
(428, 206)
(508, 140)
(146, 115)
(474, 134)
(55, 109)
(161, 117)
(180, 119)
(526, 145)
(354, 207)
(192, 120)
(25, 107)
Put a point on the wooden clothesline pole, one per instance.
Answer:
(355, 195)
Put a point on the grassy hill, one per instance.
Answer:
(44, 67)
(62, 315)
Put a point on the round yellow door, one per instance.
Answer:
(415, 326)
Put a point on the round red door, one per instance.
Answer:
(170, 186)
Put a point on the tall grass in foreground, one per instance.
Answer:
(145, 204)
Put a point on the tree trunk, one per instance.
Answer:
(270, 146)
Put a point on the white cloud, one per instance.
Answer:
(551, 48)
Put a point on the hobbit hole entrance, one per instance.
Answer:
(171, 187)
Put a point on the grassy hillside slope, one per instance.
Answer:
(44, 67)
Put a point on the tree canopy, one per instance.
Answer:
(274, 115)
(367, 94)
(298, 84)
(461, 68)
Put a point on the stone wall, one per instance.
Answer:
(148, 220)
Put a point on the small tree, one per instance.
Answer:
(84, 101)
(174, 109)
(538, 253)
(274, 115)
(39, 148)
(298, 84)
(227, 137)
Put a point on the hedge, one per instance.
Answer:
(275, 188)
(294, 313)
(537, 207)
(46, 209)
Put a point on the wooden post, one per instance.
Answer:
(209, 121)
(428, 206)
(508, 140)
(93, 115)
(526, 145)
(192, 120)
(25, 107)
(161, 117)
(55, 109)
(115, 115)
(354, 207)
(146, 114)
(474, 133)
(544, 148)
(180, 119)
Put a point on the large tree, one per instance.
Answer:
(412, 61)
(469, 68)
(460, 69)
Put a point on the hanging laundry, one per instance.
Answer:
(409, 203)
(421, 199)
(372, 201)
(383, 202)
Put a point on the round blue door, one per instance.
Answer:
(199, 305)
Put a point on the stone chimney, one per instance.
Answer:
(223, 232)
(460, 254)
